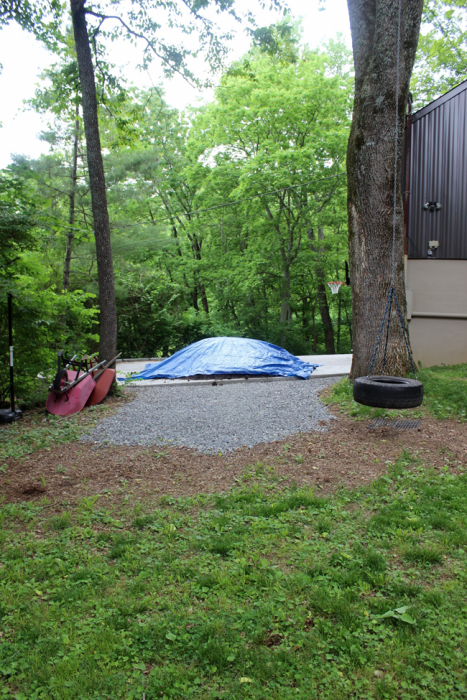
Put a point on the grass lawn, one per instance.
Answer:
(445, 396)
(257, 592)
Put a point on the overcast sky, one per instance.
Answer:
(23, 59)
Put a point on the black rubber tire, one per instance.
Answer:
(388, 392)
(61, 374)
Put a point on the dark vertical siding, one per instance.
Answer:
(438, 172)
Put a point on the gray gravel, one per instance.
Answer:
(217, 418)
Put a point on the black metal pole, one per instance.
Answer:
(10, 342)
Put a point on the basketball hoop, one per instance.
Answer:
(334, 286)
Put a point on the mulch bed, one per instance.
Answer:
(346, 453)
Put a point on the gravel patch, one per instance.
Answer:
(218, 418)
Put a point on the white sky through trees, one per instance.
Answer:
(23, 59)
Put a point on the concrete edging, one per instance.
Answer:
(147, 383)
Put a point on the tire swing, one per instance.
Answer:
(383, 391)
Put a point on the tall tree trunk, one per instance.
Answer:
(285, 316)
(285, 296)
(370, 171)
(326, 319)
(204, 298)
(105, 272)
(71, 210)
(305, 314)
(315, 342)
(196, 247)
(322, 296)
(194, 297)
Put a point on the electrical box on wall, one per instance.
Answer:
(432, 248)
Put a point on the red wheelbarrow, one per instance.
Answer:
(104, 378)
(75, 383)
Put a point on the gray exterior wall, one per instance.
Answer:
(436, 171)
(437, 311)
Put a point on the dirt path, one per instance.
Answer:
(348, 454)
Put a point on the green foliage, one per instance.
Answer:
(60, 522)
(285, 127)
(39, 332)
(250, 269)
(271, 145)
(43, 18)
(278, 40)
(59, 90)
(423, 555)
(147, 21)
(188, 266)
(241, 594)
(441, 61)
(39, 309)
(445, 396)
(16, 222)
(147, 325)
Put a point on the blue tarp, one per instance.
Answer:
(228, 356)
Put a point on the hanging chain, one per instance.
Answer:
(405, 334)
(387, 333)
(392, 295)
(380, 331)
(396, 133)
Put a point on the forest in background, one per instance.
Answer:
(228, 219)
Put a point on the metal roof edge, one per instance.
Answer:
(439, 101)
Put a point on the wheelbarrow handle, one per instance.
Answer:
(108, 364)
(70, 361)
(85, 374)
(77, 380)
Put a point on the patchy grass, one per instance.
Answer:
(255, 593)
(445, 396)
(38, 430)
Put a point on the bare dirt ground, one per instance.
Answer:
(346, 454)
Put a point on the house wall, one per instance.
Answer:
(437, 310)
(436, 151)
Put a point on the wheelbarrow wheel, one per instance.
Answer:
(60, 379)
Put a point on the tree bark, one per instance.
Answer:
(326, 319)
(285, 316)
(105, 272)
(71, 210)
(204, 298)
(321, 292)
(370, 172)
(196, 248)
(194, 297)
